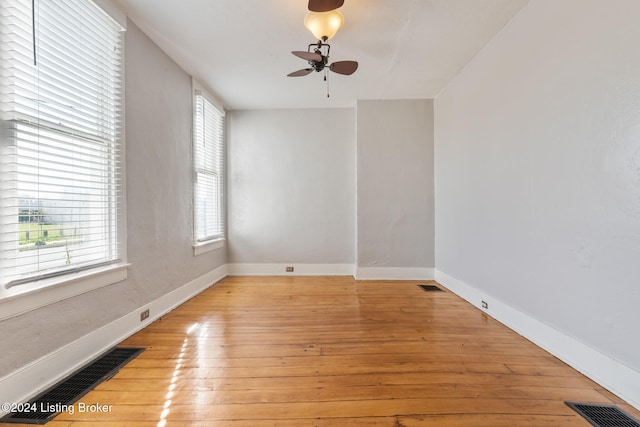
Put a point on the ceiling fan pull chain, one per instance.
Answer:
(326, 79)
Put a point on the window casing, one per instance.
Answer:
(61, 146)
(208, 160)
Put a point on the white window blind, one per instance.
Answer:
(61, 104)
(208, 156)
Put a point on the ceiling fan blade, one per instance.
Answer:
(300, 73)
(324, 5)
(344, 67)
(309, 56)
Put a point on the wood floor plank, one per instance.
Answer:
(167, 360)
(276, 395)
(490, 420)
(332, 351)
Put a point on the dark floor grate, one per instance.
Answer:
(603, 415)
(42, 408)
(430, 288)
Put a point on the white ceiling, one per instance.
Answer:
(241, 49)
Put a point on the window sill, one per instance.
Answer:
(31, 296)
(212, 245)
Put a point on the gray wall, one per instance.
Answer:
(159, 212)
(292, 186)
(395, 184)
(538, 171)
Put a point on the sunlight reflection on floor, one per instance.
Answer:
(176, 375)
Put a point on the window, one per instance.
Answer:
(208, 157)
(61, 103)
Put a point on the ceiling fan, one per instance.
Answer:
(324, 5)
(323, 20)
(318, 60)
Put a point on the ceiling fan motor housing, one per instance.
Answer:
(319, 65)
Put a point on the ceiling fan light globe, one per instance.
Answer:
(324, 25)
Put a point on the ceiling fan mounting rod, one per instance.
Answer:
(319, 45)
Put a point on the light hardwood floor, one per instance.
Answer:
(295, 352)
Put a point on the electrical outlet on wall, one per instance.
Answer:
(289, 269)
(144, 315)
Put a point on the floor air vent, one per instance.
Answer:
(603, 415)
(430, 288)
(62, 396)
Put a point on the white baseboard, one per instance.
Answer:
(611, 374)
(242, 269)
(394, 273)
(41, 374)
(360, 273)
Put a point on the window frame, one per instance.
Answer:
(20, 296)
(204, 244)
